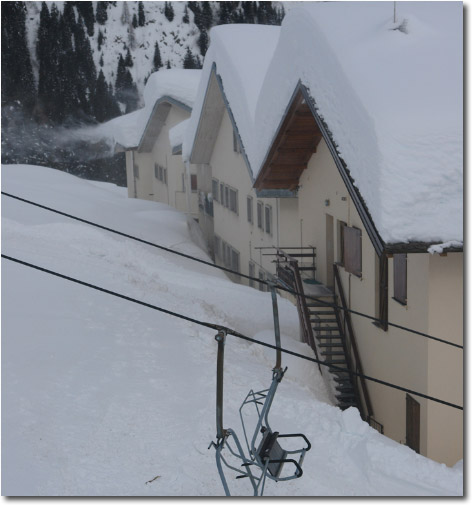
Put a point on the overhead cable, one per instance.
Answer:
(228, 270)
(229, 331)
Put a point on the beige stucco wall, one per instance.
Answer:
(148, 187)
(395, 356)
(445, 321)
(230, 168)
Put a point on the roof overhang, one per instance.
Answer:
(294, 143)
(157, 120)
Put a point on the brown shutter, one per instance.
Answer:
(353, 250)
(383, 292)
(399, 278)
(412, 423)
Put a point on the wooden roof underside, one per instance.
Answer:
(292, 148)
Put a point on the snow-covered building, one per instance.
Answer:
(237, 221)
(361, 114)
(153, 171)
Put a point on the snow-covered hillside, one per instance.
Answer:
(173, 37)
(104, 397)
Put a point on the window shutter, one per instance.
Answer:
(193, 182)
(353, 250)
(399, 278)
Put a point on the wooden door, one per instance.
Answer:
(412, 423)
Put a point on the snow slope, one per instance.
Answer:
(102, 397)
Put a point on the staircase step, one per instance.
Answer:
(346, 396)
(322, 312)
(318, 304)
(345, 388)
(336, 361)
(331, 345)
(323, 321)
(332, 353)
(333, 336)
(344, 405)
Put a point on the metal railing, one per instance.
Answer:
(351, 350)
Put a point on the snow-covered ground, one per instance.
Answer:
(104, 397)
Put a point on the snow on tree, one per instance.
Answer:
(125, 16)
(141, 17)
(168, 11)
(157, 61)
(101, 15)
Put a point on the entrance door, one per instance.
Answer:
(412, 423)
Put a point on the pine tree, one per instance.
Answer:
(157, 61)
(186, 18)
(85, 9)
(100, 39)
(141, 17)
(128, 59)
(189, 60)
(69, 15)
(101, 60)
(203, 42)
(168, 11)
(168, 64)
(101, 15)
(17, 74)
(103, 102)
(207, 15)
(225, 13)
(135, 21)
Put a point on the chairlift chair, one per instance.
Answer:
(267, 458)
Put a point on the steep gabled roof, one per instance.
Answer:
(139, 129)
(390, 99)
(234, 69)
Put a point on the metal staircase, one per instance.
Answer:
(328, 330)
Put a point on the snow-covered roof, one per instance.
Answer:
(241, 55)
(391, 96)
(177, 86)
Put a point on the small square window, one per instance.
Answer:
(249, 210)
(193, 182)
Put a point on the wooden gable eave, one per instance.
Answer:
(295, 141)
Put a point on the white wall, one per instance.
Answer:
(395, 356)
(229, 167)
(148, 187)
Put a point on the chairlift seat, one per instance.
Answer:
(270, 449)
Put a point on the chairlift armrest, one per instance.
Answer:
(298, 468)
(299, 435)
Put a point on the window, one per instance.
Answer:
(412, 423)
(156, 170)
(222, 194)
(252, 273)
(164, 178)
(234, 260)
(214, 190)
(135, 170)
(262, 278)
(193, 182)
(183, 183)
(268, 219)
(249, 210)
(226, 204)
(352, 250)
(233, 200)
(217, 245)
(341, 225)
(260, 222)
(399, 278)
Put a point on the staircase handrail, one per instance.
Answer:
(353, 344)
(304, 316)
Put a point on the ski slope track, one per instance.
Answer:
(101, 397)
